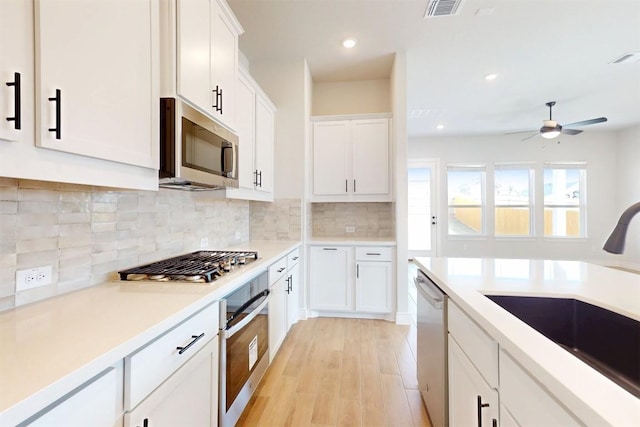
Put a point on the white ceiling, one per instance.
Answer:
(542, 50)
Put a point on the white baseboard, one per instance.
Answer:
(404, 318)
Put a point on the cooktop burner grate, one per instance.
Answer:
(199, 266)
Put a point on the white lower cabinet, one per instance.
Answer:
(97, 403)
(173, 380)
(472, 402)
(526, 401)
(331, 278)
(283, 299)
(189, 397)
(337, 283)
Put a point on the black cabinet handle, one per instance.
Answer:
(373, 253)
(255, 174)
(289, 289)
(145, 422)
(346, 185)
(357, 271)
(17, 103)
(217, 99)
(480, 406)
(329, 249)
(290, 283)
(260, 179)
(186, 347)
(280, 270)
(354, 185)
(58, 100)
(494, 423)
(295, 258)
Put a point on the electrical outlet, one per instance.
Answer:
(351, 229)
(33, 278)
(204, 242)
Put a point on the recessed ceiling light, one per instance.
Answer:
(349, 43)
(490, 77)
(440, 127)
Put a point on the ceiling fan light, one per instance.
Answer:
(550, 134)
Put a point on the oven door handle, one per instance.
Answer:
(228, 333)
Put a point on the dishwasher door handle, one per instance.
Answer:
(423, 287)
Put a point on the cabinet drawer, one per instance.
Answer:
(293, 258)
(479, 347)
(150, 365)
(277, 270)
(374, 253)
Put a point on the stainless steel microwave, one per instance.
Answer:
(196, 153)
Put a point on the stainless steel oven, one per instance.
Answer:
(244, 346)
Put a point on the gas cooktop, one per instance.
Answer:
(195, 267)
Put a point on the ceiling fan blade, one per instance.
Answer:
(530, 136)
(570, 131)
(588, 122)
(522, 131)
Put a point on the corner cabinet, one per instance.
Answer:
(352, 159)
(93, 121)
(207, 57)
(256, 132)
(351, 279)
(283, 299)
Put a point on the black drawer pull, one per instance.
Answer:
(329, 249)
(281, 269)
(17, 117)
(186, 347)
(58, 101)
(373, 253)
(295, 258)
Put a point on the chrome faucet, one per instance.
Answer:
(615, 242)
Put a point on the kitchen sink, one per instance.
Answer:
(607, 341)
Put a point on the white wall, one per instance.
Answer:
(628, 180)
(399, 134)
(353, 97)
(599, 150)
(285, 84)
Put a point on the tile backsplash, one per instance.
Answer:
(369, 220)
(280, 220)
(88, 233)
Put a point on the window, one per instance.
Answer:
(466, 198)
(564, 200)
(513, 200)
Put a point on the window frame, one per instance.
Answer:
(469, 167)
(530, 167)
(582, 201)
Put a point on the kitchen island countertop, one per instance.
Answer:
(592, 397)
(50, 347)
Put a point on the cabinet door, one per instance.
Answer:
(245, 124)
(193, 50)
(97, 84)
(330, 278)
(224, 65)
(16, 56)
(189, 397)
(293, 295)
(370, 145)
(97, 403)
(277, 315)
(468, 390)
(264, 145)
(373, 287)
(331, 158)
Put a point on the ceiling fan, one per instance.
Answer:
(552, 128)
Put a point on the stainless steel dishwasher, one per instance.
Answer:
(432, 349)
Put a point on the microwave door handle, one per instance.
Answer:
(245, 320)
(226, 158)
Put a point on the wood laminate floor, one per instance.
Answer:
(341, 372)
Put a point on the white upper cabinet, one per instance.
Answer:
(255, 123)
(193, 59)
(207, 57)
(16, 71)
(97, 79)
(351, 160)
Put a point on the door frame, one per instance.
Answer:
(434, 165)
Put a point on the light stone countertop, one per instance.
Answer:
(352, 241)
(591, 396)
(50, 347)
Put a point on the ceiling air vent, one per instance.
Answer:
(442, 8)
